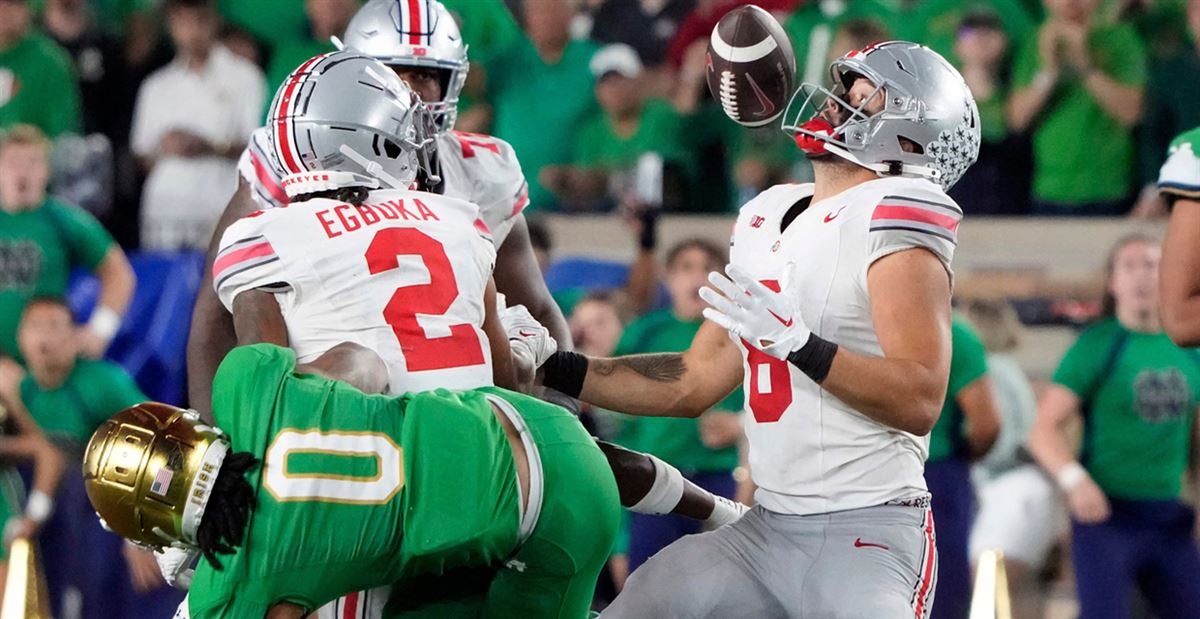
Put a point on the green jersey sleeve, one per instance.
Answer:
(968, 361)
(86, 238)
(248, 377)
(1179, 176)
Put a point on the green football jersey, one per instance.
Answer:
(355, 491)
(1139, 396)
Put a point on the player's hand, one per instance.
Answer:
(1087, 502)
(750, 311)
(531, 343)
(719, 429)
(143, 569)
(177, 565)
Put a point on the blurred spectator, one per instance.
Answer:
(189, 127)
(490, 28)
(1078, 92)
(37, 84)
(813, 26)
(699, 25)
(540, 92)
(965, 431)
(704, 449)
(270, 22)
(596, 324)
(326, 18)
(97, 58)
(1135, 395)
(1018, 511)
(936, 23)
(1171, 109)
(23, 516)
(646, 25)
(69, 397)
(708, 134)
(41, 239)
(612, 145)
(993, 186)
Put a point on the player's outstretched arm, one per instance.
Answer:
(350, 363)
(519, 277)
(910, 306)
(1179, 277)
(504, 372)
(212, 335)
(257, 319)
(658, 385)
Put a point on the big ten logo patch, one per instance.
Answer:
(9, 85)
(20, 265)
(1161, 396)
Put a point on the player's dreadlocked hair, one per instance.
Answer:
(350, 195)
(228, 511)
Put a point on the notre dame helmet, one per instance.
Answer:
(149, 472)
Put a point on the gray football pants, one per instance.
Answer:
(877, 562)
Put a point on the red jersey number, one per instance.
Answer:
(771, 395)
(422, 353)
(469, 141)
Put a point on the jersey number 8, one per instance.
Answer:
(347, 449)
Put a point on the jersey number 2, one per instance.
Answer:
(422, 353)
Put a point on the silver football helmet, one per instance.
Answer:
(926, 102)
(344, 119)
(414, 33)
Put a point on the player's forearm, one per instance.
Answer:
(898, 393)
(211, 337)
(117, 281)
(647, 385)
(351, 363)
(518, 276)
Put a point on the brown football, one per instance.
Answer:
(751, 68)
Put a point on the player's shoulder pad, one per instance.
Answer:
(1179, 175)
(920, 208)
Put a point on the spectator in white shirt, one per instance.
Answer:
(189, 125)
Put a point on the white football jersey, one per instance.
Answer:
(403, 274)
(810, 452)
(480, 169)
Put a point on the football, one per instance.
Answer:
(751, 68)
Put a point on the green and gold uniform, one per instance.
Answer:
(358, 491)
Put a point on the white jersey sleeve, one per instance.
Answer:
(484, 170)
(1179, 176)
(257, 169)
(915, 215)
(247, 260)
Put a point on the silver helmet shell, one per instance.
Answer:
(344, 119)
(926, 102)
(414, 33)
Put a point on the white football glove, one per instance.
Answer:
(749, 310)
(177, 564)
(531, 343)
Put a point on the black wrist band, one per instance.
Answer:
(814, 358)
(565, 371)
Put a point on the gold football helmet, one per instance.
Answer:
(149, 471)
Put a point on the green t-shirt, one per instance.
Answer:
(540, 108)
(93, 392)
(38, 87)
(1139, 396)
(1081, 154)
(359, 491)
(968, 363)
(271, 21)
(675, 440)
(935, 23)
(37, 250)
(660, 130)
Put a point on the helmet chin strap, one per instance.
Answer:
(886, 169)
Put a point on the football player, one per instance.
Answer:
(1179, 281)
(835, 314)
(320, 488)
(421, 42)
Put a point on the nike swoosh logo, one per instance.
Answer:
(858, 543)
(832, 216)
(524, 333)
(768, 107)
(786, 323)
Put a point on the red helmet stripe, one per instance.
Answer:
(414, 22)
(283, 124)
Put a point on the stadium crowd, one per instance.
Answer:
(121, 124)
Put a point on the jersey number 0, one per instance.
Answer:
(421, 353)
